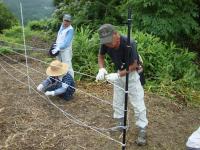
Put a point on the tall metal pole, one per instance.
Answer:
(127, 78)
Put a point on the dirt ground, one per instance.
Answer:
(28, 121)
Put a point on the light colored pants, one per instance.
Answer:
(66, 57)
(136, 98)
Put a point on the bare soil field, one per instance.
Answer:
(29, 121)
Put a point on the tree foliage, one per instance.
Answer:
(7, 19)
(168, 19)
(171, 20)
(92, 13)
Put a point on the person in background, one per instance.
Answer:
(63, 45)
(59, 81)
(193, 142)
(115, 45)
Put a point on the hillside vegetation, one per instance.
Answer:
(169, 70)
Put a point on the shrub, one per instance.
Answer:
(38, 25)
(169, 70)
(5, 50)
(7, 19)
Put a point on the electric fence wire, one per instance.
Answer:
(104, 101)
(101, 129)
(76, 71)
(88, 94)
(66, 114)
(84, 74)
(30, 48)
(69, 116)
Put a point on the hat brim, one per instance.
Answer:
(59, 72)
(66, 20)
(107, 39)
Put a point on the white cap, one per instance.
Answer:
(67, 17)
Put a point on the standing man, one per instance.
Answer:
(64, 43)
(115, 46)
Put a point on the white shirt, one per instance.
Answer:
(194, 139)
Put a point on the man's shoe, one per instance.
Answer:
(141, 140)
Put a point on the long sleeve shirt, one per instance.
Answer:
(60, 85)
(68, 37)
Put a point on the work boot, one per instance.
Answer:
(120, 125)
(141, 139)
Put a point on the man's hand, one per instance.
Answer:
(54, 45)
(101, 74)
(40, 87)
(55, 50)
(112, 77)
(49, 93)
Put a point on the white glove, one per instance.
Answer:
(49, 93)
(55, 50)
(40, 87)
(112, 77)
(101, 74)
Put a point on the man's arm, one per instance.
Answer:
(60, 90)
(132, 67)
(68, 39)
(102, 71)
(48, 81)
(101, 61)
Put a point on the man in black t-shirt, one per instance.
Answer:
(115, 46)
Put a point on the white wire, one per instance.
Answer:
(32, 48)
(17, 70)
(74, 71)
(95, 97)
(24, 38)
(100, 129)
(76, 121)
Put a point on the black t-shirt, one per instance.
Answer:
(118, 55)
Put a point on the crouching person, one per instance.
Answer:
(59, 83)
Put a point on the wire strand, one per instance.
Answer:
(74, 71)
(76, 121)
(88, 94)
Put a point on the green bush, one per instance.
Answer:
(171, 20)
(38, 25)
(7, 19)
(169, 70)
(5, 50)
(85, 50)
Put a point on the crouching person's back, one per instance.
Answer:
(59, 81)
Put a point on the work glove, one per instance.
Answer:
(55, 50)
(101, 74)
(112, 77)
(50, 93)
(40, 87)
